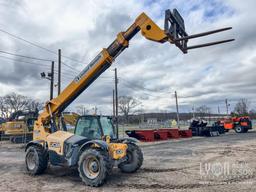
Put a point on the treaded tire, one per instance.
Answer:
(239, 129)
(41, 160)
(134, 161)
(105, 166)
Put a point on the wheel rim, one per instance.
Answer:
(31, 160)
(238, 129)
(91, 167)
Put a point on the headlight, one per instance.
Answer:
(119, 151)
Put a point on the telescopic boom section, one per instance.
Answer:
(100, 63)
(174, 33)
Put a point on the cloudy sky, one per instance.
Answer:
(148, 71)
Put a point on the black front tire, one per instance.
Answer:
(134, 159)
(94, 174)
(36, 160)
(239, 129)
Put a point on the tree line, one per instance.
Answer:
(14, 102)
(128, 109)
(128, 106)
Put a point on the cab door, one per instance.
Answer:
(89, 127)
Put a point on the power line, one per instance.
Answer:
(71, 59)
(71, 73)
(41, 47)
(69, 66)
(34, 58)
(38, 46)
(29, 42)
(24, 56)
(38, 64)
(66, 76)
(35, 64)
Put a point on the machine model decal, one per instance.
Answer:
(89, 66)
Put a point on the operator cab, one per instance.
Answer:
(95, 127)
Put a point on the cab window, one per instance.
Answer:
(88, 127)
(107, 126)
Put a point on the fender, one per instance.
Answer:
(39, 143)
(102, 144)
(129, 140)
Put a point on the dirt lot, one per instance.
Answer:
(225, 163)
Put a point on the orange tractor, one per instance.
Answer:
(239, 124)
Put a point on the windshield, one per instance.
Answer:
(107, 127)
(88, 127)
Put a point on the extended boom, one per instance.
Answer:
(173, 33)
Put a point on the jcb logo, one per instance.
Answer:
(55, 145)
(15, 126)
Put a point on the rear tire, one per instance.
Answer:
(94, 166)
(36, 160)
(134, 159)
(239, 129)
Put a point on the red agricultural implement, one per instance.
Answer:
(150, 135)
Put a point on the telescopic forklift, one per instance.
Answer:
(239, 124)
(96, 148)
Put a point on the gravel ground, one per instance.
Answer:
(224, 163)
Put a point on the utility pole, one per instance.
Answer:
(59, 71)
(227, 105)
(177, 109)
(142, 115)
(61, 124)
(95, 110)
(49, 76)
(116, 103)
(218, 112)
(84, 110)
(193, 110)
(114, 110)
(52, 81)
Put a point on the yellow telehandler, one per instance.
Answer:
(96, 148)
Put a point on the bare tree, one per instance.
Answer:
(14, 102)
(242, 107)
(3, 108)
(126, 105)
(34, 105)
